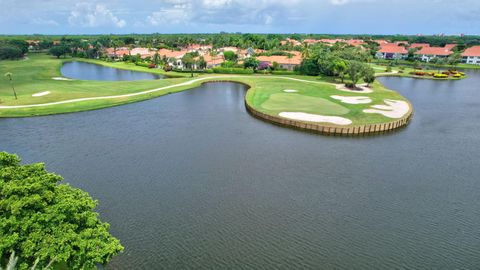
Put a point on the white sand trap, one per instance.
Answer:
(41, 94)
(316, 118)
(290, 91)
(353, 100)
(362, 88)
(393, 109)
(61, 79)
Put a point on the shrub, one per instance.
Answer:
(232, 70)
(440, 76)
(10, 52)
(152, 65)
(457, 75)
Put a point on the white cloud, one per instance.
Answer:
(339, 2)
(48, 22)
(89, 15)
(238, 12)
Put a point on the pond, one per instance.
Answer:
(192, 181)
(88, 71)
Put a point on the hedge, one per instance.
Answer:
(232, 70)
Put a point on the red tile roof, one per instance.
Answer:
(472, 52)
(419, 45)
(392, 48)
(434, 51)
(295, 60)
(171, 54)
(450, 46)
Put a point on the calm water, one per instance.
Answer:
(89, 71)
(191, 181)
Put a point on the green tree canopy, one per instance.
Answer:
(251, 62)
(43, 219)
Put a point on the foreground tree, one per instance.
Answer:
(355, 71)
(251, 62)
(368, 75)
(59, 51)
(9, 75)
(45, 220)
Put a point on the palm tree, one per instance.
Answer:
(305, 51)
(9, 75)
(213, 54)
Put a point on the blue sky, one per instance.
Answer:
(254, 16)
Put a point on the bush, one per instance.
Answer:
(440, 76)
(232, 70)
(152, 65)
(457, 75)
(10, 52)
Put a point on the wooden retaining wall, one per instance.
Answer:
(333, 129)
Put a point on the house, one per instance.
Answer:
(471, 55)
(285, 62)
(290, 41)
(213, 61)
(419, 45)
(174, 58)
(450, 46)
(391, 51)
(426, 54)
(381, 42)
(117, 53)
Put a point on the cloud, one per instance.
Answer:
(47, 22)
(220, 12)
(339, 2)
(89, 15)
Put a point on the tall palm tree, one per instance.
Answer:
(305, 51)
(9, 75)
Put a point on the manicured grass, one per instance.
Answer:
(266, 94)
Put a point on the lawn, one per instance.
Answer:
(266, 94)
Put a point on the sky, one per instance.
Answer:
(246, 16)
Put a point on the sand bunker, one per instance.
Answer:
(316, 118)
(353, 100)
(393, 109)
(41, 94)
(61, 79)
(362, 88)
(290, 91)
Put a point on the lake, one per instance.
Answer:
(88, 71)
(192, 181)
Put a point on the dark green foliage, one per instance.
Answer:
(41, 218)
(230, 56)
(8, 52)
(59, 50)
(251, 62)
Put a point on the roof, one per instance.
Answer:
(218, 59)
(472, 52)
(295, 60)
(450, 46)
(419, 45)
(434, 51)
(171, 54)
(381, 41)
(392, 48)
